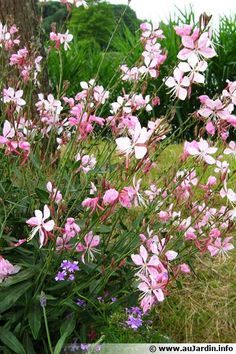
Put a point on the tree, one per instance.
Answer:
(99, 21)
(23, 13)
(53, 12)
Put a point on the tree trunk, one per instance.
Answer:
(23, 13)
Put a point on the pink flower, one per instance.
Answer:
(184, 268)
(19, 58)
(137, 143)
(220, 247)
(152, 291)
(195, 68)
(230, 91)
(195, 46)
(215, 233)
(149, 33)
(39, 225)
(71, 229)
(222, 167)
(60, 38)
(55, 194)
(87, 162)
(185, 30)
(231, 150)
(15, 97)
(90, 203)
(211, 181)
(132, 74)
(6, 269)
(91, 243)
(65, 39)
(8, 134)
(203, 151)
(148, 267)
(110, 196)
(152, 54)
(125, 198)
(228, 193)
(178, 84)
(49, 110)
(171, 255)
(210, 128)
(188, 145)
(215, 109)
(100, 95)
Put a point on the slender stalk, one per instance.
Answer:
(47, 330)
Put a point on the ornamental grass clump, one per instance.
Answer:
(87, 216)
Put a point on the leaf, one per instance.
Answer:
(67, 329)
(28, 345)
(21, 276)
(9, 296)
(34, 318)
(11, 341)
(179, 285)
(42, 195)
(104, 229)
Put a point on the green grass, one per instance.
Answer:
(205, 309)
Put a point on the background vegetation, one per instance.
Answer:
(92, 29)
(197, 318)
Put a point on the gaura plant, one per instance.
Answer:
(90, 225)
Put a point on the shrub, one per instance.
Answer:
(91, 228)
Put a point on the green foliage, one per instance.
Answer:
(92, 29)
(95, 23)
(53, 12)
(98, 22)
(25, 322)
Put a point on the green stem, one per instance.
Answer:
(47, 330)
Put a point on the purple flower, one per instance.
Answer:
(134, 322)
(84, 347)
(67, 270)
(71, 277)
(74, 347)
(42, 299)
(65, 264)
(81, 302)
(113, 299)
(70, 266)
(60, 276)
(134, 311)
(100, 299)
(98, 348)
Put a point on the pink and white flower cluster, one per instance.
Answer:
(87, 162)
(14, 139)
(154, 261)
(7, 37)
(27, 64)
(153, 55)
(49, 111)
(69, 232)
(61, 39)
(217, 114)
(197, 47)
